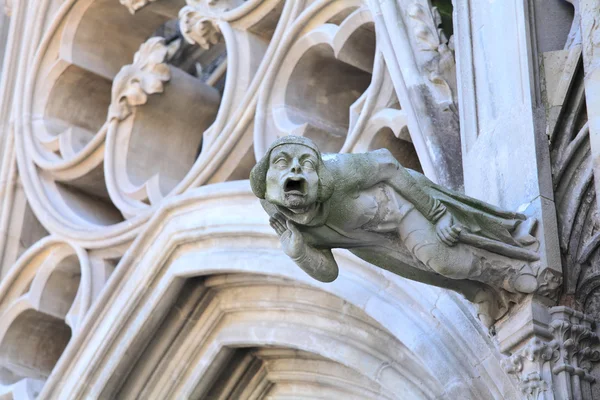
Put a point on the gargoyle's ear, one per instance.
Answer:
(326, 183)
(258, 176)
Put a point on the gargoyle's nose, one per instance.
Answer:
(296, 167)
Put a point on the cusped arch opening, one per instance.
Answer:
(31, 346)
(329, 78)
(61, 288)
(402, 150)
(101, 37)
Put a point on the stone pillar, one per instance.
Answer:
(505, 149)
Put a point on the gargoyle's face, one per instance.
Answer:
(292, 179)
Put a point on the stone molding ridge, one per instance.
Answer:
(134, 82)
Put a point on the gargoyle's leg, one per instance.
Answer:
(462, 261)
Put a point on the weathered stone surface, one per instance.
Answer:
(160, 279)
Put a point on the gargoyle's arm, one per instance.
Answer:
(391, 172)
(318, 263)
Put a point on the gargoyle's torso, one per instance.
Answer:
(371, 223)
(361, 218)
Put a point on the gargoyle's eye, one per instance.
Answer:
(281, 162)
(308, 164)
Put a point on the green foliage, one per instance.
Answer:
(445, 9)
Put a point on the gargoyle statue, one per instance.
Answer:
(396, 219)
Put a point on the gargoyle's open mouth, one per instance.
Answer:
(295, 186)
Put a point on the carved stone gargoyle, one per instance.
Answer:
(396, 219)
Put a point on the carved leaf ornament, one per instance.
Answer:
(436, 50)
(146, 75)
(198, 29)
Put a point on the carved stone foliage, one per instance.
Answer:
(197, 28)
(132, 85)
(435, 52)
(527, 366)
(557, 360)
(579, 347)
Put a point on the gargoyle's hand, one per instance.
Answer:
(290, 237)
(446, 230)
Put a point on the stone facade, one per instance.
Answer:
(135, 261)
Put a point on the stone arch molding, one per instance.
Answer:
(96, 168)
(396, 326)
(239, 303)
